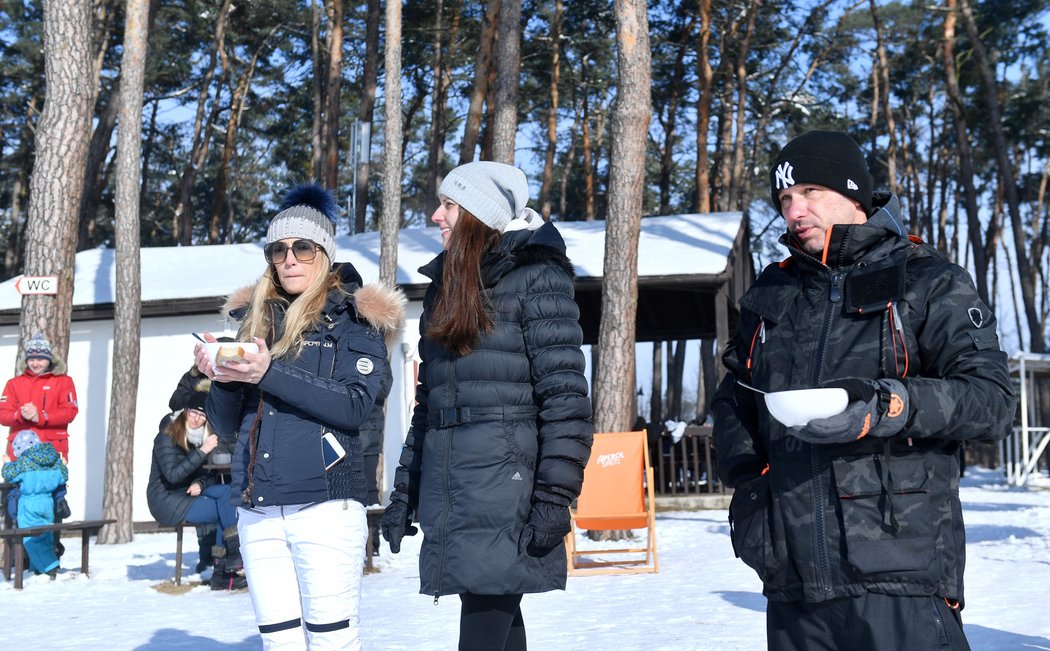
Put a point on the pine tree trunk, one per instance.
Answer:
(707, 381)
(552, 113)
(508, 47)
(220, 222)
(736, 197)
(678, 378)
(316, 92)
(120, 440)
(182, 231)
(588, 165)
(94, 169)
(630, 126)
(57, 182)
(1026, 271)
(482, 73)
(436, 142)
(671, 117)
(656, 401)
(16, 229)
(703, 111)
(330, 128)
(366, 112)
(391, 217)
(882, 78)
(962, 145)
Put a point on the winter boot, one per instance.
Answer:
(234, 562)
(205, 539)
(218, 575)
(373, 536)
(205, 559)
(223, 580)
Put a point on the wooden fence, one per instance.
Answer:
(686, 467)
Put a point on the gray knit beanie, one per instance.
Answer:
(828, 158)
(38, 347)
(495, 193)
(307, 212)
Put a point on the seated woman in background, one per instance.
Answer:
(182, 490)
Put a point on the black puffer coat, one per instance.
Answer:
(372, 429)
(878, 514)
(171, 473)
(490, 427)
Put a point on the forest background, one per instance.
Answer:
(240, 100)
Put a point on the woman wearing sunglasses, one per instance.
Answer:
(501, 430)
(295, 407)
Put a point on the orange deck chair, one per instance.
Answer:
(616, 481)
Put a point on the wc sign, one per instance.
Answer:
(37, 285)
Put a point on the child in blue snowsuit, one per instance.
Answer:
(38, 469)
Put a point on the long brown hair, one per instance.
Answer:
(460, 315)
(176, 429)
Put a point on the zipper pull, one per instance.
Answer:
(836, 291)
(346, 505)
(897, 320)
(436, 599)
(762, 331)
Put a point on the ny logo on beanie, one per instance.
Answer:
(784, 175)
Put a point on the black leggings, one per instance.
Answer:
(491, 623)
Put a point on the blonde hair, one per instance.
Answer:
(303, 312)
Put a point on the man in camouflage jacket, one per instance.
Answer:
(853, 522)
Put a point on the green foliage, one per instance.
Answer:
(809, 64)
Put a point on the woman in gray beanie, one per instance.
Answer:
(502, 426)
(295, 408)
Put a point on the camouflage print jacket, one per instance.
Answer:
(879, 515)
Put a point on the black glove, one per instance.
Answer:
(547, 525)
(876, 408)
(396, 522)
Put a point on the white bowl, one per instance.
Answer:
(796, 408)
(229, 348)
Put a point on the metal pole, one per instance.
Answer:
(354, 145)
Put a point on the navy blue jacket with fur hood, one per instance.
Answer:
(329, 387)
(494, 427)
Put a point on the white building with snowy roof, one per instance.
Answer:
(691, 271)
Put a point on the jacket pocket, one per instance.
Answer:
(521, 442)
(887, 518)
(750, 511)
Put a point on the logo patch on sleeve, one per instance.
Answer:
(365, 366)
(976, 316)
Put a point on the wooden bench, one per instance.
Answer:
(13, 543)
(178, 548)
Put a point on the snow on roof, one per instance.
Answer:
(670, 245)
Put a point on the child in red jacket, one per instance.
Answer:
(42, 398)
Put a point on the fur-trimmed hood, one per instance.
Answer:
(58, 365)
(382, 306)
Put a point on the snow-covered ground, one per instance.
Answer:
(702, 597)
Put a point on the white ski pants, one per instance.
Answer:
(304, 564)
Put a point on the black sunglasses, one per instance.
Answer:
(276, 252)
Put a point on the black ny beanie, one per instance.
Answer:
(828, 158)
